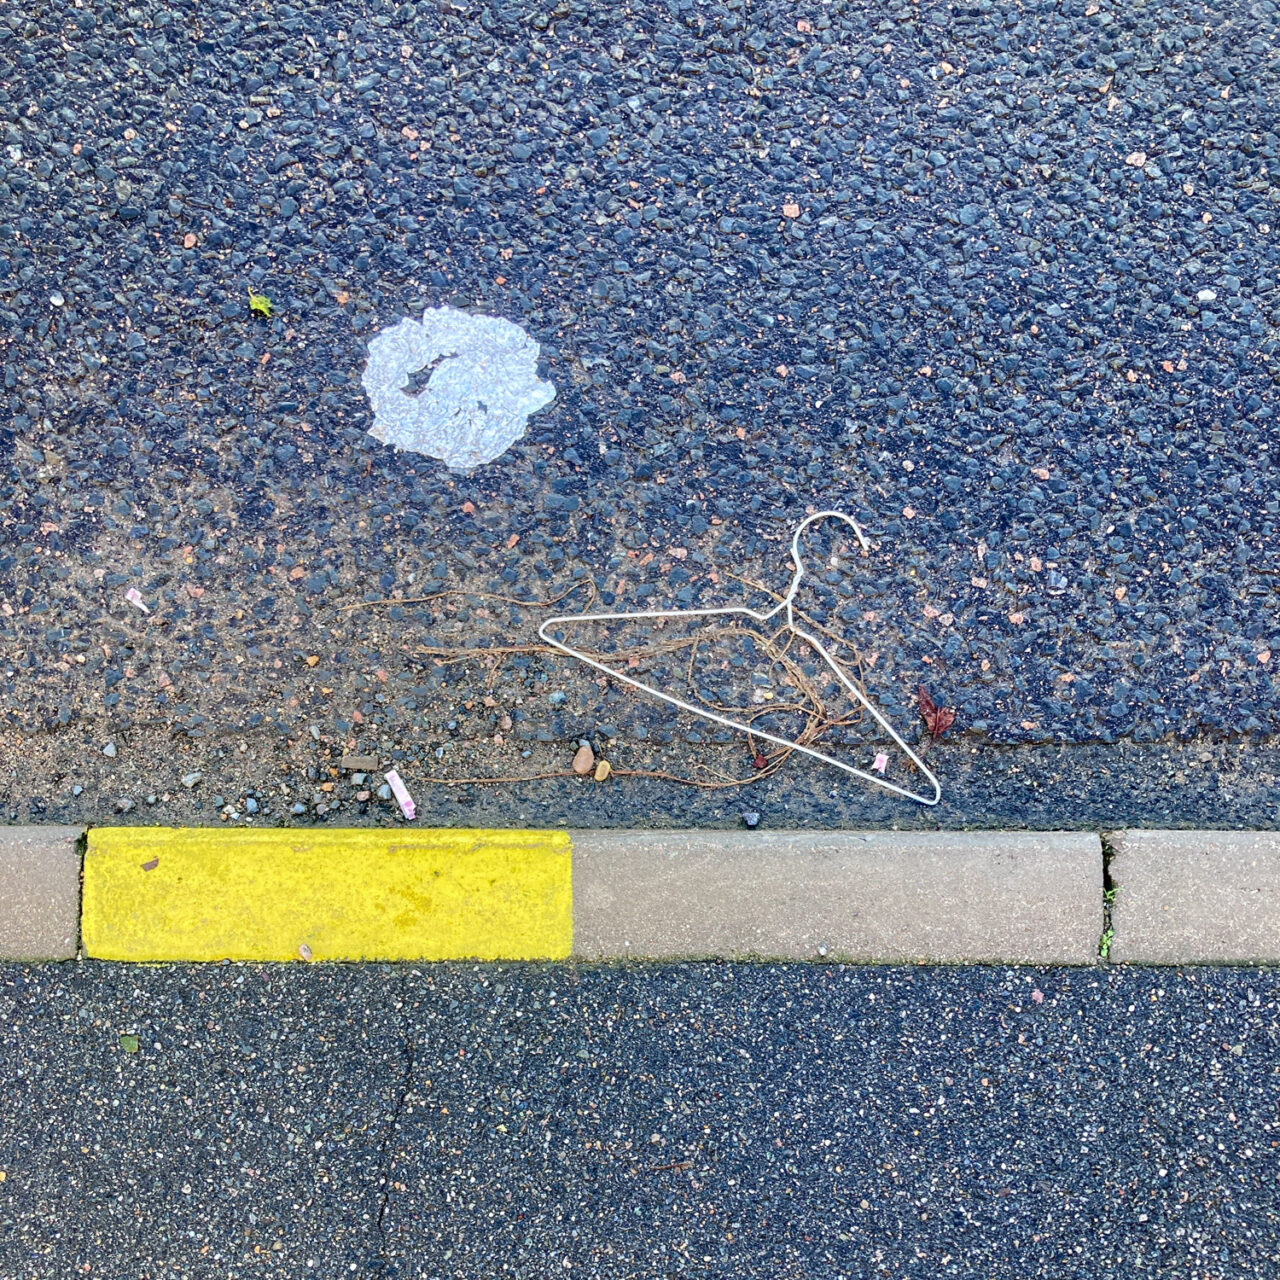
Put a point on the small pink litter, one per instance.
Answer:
(401, 793)
(882, 763)
(134, 597)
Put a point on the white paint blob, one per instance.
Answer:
(476, 385)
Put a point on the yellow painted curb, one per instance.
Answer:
(432, 894)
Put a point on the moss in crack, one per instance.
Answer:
(82, 846)
(1109, 890)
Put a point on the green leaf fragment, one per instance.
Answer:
(129, 1043)
(260, 303)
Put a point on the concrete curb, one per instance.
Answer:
(413, 893)
(876, 896)
(1196, 897)
(155, 894)
(1179, 897)
(39, 892)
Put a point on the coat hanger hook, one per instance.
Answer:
(795, 548)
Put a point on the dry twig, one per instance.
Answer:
(809, 704)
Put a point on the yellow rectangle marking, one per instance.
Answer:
(200, 893)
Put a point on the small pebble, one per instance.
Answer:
(584, 760)
(109, 751)
(190, 780)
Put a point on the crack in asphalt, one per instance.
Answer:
(385, 1156)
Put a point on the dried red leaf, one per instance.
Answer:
(760, 762)
(937, 720)
(926, 704)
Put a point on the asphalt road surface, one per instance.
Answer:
(998, 280)
(228, 1121)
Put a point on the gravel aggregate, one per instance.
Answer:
(807, 1122)
(999, 279)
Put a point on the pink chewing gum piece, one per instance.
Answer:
(401, 793)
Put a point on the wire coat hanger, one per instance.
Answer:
(785, 606)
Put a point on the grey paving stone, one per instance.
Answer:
(1188, 897)
(946, 897)
(39, 892)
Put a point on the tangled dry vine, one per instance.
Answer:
(776, 647)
